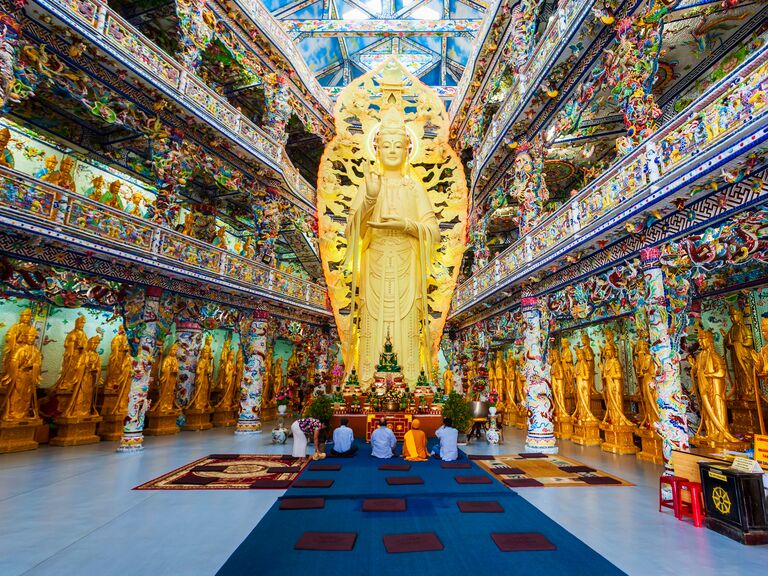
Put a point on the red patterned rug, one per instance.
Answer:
(231, 472)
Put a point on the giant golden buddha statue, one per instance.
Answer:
(390, 175)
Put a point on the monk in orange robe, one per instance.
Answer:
(415, 443)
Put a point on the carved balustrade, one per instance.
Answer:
(24, 198)
(113, 34)
(723, 124)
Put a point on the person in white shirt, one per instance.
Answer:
(343, 441)
(383, 441)
(448, 437)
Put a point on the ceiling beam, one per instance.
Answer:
(405, 10)
(292, 8)
(480, 5)
(336, 28)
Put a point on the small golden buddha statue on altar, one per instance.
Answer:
(448, 380)
(585, 429)
(14, 339)
(198, 411)
(75, 344)
(6, 156)
(112, 198)
(710, 377)
(18, 410)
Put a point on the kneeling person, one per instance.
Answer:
(415, 443)
(343, 441)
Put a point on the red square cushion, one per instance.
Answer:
(420, 542)
(522, 541)
(336, 541)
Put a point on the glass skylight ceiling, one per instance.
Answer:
(343, 39)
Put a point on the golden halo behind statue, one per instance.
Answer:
(358, 113)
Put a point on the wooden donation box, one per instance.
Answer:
(735, 503)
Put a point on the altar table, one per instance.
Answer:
(400, 422)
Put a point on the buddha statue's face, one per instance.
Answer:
(585, 338)
(172, 350)
(66, 164)
(80, 322)
(393, 148)
(30, 337)
(115, 187)
(25, 316)
(93, 343)
(736, 315)
(5, 136)
(50, 163)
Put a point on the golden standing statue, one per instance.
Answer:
(613, 389)
(448, 380)
(268, 390)
(761, 372)
(589, 356)
(169, 378)
(710, 370)
(390, 172)
(203, 375)
(557, 377)
(75, 345)
(645, 372)
(277, 376)
(88, 371)
(239, 372)
(24, 373)
(119, 349)
(226, 352)
(739, 343)
(584, 374)
(63, 176)
(6, 156)
(14, 339)
(566, 359)
(227, 369)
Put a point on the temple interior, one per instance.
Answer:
(384, 287)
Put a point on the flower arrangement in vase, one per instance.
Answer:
(493, 399)
(282, 399)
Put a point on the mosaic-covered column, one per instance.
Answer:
(538, 394)
(665, 348)
(10, 33)
(253, 340)
(189, 336)
(147, 331)
(278, 108)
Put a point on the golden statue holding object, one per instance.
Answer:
(739, 343)
(761, 372)
(199, 410)
(645, 372)
(24, 373)
(390, 267)
(163, 414)
(75, 345)
(14, 339)
(710, 377)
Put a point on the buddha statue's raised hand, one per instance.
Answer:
(372, 181)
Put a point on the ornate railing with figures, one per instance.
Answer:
(553, 43)
(270, 27)
(105, 28)
(724, 124)
(25, 199)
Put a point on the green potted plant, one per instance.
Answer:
(320, 408)
(457, 409)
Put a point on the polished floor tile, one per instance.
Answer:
(71, 511)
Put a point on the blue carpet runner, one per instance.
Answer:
(431, 507)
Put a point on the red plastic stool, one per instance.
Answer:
(696, 507)
(672, 503)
